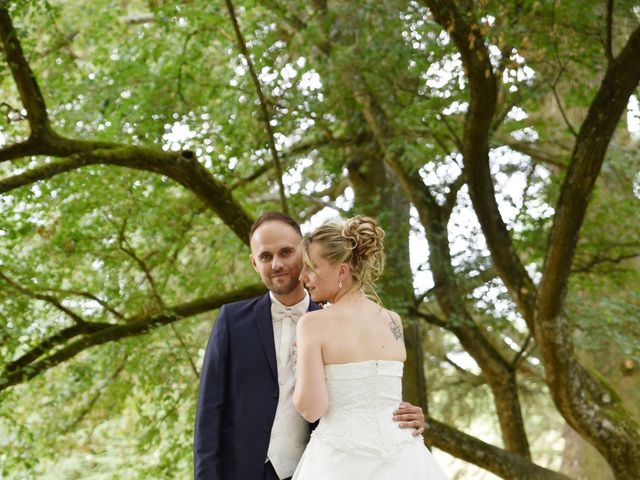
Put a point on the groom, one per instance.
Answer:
(246, 426)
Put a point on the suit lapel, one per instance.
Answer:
(265, 330)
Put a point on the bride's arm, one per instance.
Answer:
(310, 397)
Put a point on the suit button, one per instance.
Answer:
(275, 395)
(267, 428)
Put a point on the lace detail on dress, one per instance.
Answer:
(362, 398)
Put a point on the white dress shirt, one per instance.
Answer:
(290, 432)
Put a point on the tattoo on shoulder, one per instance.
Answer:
(396, 328)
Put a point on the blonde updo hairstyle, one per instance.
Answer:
(358, 242)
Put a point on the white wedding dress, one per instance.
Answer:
(357, 438)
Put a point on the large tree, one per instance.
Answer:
(140, 139)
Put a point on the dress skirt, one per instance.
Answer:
(323, 461)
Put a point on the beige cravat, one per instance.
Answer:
(289, 317)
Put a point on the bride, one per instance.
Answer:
(349, 364)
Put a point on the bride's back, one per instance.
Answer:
(359, 330)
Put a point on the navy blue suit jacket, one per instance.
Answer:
(238, 393)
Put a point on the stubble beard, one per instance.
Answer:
(283, 289)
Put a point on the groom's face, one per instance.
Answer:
(276, 256)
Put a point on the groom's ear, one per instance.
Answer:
(253, 263)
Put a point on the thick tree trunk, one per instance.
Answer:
(580, 459)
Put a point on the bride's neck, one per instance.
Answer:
(353, 295)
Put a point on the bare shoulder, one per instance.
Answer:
(314, 316)
(312, 320)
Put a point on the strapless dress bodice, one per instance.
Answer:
(362, 398)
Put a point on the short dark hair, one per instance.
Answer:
(274, 217)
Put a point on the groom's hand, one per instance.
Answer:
(410, 416)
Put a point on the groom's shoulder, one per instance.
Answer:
(244, 306)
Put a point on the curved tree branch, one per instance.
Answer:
(452, 195)
(13, 114)
(18, 150)
(496, 460)
(42, 172)
(50, 343)
(257, 173)
(28, 89)
(126, 247)
(27, 367)
(584, 400)
(71, 426)
(555, 157)
(559, 103)
(602, 257)
(608, 46)
(179, 166)
(263, 106)
(620, 81)
(464, 30)
(50, 299)
(89, 296)
(452, 133)
(52, 144)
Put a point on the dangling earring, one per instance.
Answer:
(340, 284)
